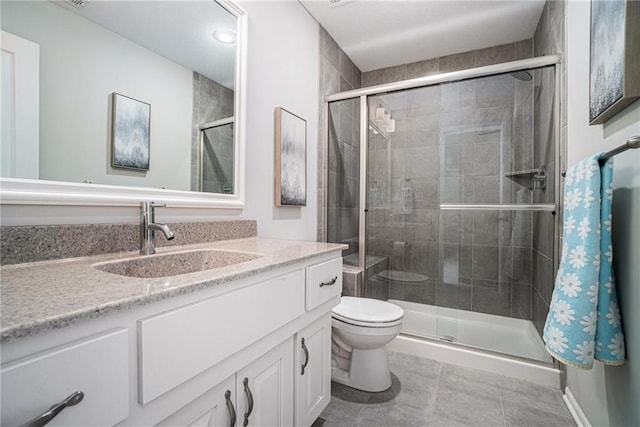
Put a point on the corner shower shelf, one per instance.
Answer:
(535, 175)
(522, 173)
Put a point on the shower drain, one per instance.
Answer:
(447, 338)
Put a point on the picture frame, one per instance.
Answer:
(290, 159)
(614, 66)
(130, 133)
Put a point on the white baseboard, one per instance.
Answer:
(574, 407)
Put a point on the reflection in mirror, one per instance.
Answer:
(216, 157)
(74, 58)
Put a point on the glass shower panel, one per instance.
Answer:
(343, 181)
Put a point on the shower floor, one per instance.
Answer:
(515, 337)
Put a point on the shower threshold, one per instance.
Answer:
(506, 335)
(502, 345)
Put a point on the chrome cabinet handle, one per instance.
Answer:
(329, 283)
(43, 419)
(232, 410)
(247, 391)
(306, 356)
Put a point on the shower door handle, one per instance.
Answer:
(330, 282)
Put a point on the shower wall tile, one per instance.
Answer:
(453, 296)
(543, 276)
(422, 68)
(459, 61)
(337, 72)
(491, 297)
(487, 159)
(539, 310)
(486, 189)
(484, 262)
(495, 55)
(521, 295)
(543, 233)
(423, 293)
(522, 265)
(486, 227)
(422, 162)
(524, 49)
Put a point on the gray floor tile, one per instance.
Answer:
(340, 413)
(390, 415)
(428, 393)
(444, 421)
(528, 394)
(472, 380)
(525, 416)
(472, 406)
(406, 363)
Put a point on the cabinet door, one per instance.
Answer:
(216, 408)
(265, 389)
(313, 371)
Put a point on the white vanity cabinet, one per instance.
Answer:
(192, 359)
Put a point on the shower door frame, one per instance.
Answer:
(450, 77)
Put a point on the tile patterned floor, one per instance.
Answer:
(429, 393)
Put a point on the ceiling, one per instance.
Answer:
(382, 33)
(168, 27)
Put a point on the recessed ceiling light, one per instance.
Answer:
(224, 36)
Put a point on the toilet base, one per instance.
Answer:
(369, 370)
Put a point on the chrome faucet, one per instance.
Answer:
(148, 227)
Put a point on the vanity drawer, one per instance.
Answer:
(324, 281)
(178, 345)
(98, 366)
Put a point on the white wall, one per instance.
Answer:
(81, 65)
(283, 72)
(608, 395)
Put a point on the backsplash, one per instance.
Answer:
(20, 244)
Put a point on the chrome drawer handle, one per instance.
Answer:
(306, 356)
(330, 283)
(43, 419)
(247, 391)
(232, 410)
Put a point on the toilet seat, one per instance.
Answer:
(368, 312)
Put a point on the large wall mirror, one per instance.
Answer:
(118, 101)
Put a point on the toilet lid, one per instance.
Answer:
(403, 276)
(368, 310)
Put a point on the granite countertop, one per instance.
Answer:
(38, 296)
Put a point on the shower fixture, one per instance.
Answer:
(522, 75)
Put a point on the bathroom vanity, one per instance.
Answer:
(243, 344)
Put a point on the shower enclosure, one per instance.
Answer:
(444, 188)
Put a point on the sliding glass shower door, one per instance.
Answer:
(460, 204)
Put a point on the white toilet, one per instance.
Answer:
(361, 330)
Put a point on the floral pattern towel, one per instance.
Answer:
(584, 318)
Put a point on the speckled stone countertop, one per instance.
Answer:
(35, 297)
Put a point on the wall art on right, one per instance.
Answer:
(614, 74)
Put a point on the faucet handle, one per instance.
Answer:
(157, 205)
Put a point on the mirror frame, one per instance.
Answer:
(15, 191)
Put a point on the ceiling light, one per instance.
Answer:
(224, 36)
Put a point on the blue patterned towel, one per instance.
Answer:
(584, 318)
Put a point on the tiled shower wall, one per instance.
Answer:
(453, 144)
(211, 101)
(338, 73)
(549, 39)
